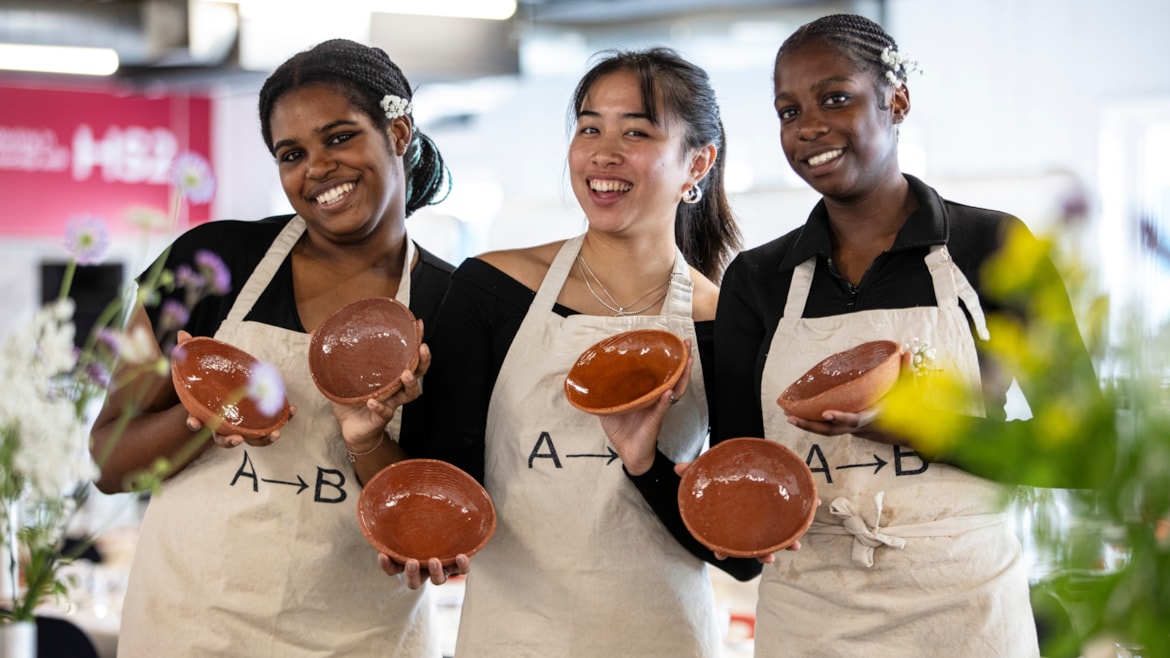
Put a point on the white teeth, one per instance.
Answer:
(609, 186)
(334, 194)
(824, 157)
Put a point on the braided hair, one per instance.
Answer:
(859, 38)
(364, 75)
(706, 232)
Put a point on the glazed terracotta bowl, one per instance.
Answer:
(747, 497)
(424, 508)
(360, 351)
(851, 381)
(625, 372)
(211, 379)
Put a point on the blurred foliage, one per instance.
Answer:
(1102, 556)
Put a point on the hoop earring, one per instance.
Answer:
(693, 195)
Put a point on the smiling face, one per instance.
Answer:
(626, 171)
(837, 123)
(336, 166)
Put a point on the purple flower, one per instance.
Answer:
(214, 272)
(173, 315)
(187, 278)
(87, 239)
(191, 175)
(266, 388)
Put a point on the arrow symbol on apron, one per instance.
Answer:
(299, 483)
(610, 456)
(879, 464)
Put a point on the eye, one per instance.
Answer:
(341, 138)
(291, 155)
(634, 132)
(836, 98)
(587, 130)
(786, 113)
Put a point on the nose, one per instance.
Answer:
(810, 126)
(606, 151)
(320, 163)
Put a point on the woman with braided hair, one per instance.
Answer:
(252, 546)
(910, 553)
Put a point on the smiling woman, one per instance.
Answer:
(225, 543)
(916, 558)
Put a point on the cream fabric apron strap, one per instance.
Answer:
(798, 291)
(558, 273)
(866, 539)
(266, 269)
(951, 285)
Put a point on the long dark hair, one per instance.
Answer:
(706, 231)
(365, 75)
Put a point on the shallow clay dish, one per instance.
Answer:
(424, 508)
(626, 371)
(851, 381)
(211, 378)
(747, 497)
(360, 351)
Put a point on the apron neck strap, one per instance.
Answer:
(798, 290)
(951, 285)
(267, 268)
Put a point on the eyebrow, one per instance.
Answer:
(819, 85)
(317, 131)
(627, 115)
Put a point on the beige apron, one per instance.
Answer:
(904, 557)
(580, 565)
(257, 551)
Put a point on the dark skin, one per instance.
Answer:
(838, 131)
(345, 176)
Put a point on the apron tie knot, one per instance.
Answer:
(865, 540)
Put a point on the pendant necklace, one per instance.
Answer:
(614, 307)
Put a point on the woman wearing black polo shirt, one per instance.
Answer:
(909, 553)
(233, 557)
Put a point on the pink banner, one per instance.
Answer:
(65, 154)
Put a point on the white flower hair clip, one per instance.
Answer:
(900, 66)
(396, 106)
(923, 357)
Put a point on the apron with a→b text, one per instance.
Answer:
(579, 564)
(904, 558)
(257, 551)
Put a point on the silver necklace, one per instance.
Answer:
(614, 307)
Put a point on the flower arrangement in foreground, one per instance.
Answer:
(50, 389)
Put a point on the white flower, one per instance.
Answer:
(396, 106)
(266, 388)
(900, 66)
(192, 177)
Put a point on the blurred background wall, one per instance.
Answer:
(1055, 110)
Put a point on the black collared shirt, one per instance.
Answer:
(755, 288)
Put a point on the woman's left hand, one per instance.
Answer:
(634, 434)
(416, 575)
(363, 424)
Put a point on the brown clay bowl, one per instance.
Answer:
(425, 508)
(211, 379)
(747, 497)
(626, 371)
(851, 381)
(360, 351)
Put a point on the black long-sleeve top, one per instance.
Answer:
(477, 324)
(755, 287)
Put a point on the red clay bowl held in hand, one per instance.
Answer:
(626, 371)
(360, 351)
(747, 497)
(211, 378)
(851, 381)
(424, 508)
